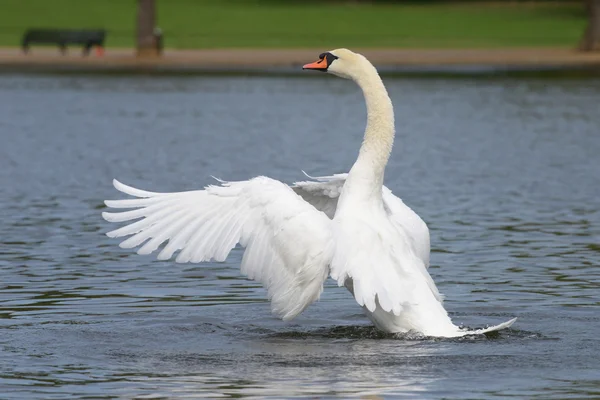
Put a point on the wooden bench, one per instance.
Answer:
(64, 37)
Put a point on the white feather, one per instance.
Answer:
(323, 193)
(207, 224)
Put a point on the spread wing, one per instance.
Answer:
(323, 193)
(288, 243)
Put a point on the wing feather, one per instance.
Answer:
(165, 229)
(387, 280)
(289, 244)
(323, 193)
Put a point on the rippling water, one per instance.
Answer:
(505, 172)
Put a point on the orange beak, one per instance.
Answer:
(320, 65)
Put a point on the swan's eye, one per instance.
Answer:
(329, 58)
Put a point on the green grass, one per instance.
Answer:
(254, 23)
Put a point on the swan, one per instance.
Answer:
(347, 226)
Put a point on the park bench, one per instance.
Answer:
(64, 37)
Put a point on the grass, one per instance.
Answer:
(284, 23)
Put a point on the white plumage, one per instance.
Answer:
(348, 226)
(288, 243)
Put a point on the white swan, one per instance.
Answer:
(348, 226)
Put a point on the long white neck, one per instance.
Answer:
(366, 176)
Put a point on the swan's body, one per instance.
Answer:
(348, 226)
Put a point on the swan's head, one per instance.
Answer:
(341, 62)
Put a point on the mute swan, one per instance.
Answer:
(348, 226)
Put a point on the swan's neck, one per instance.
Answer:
(368, 170)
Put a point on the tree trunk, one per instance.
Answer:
(146, 21)
(591, 38)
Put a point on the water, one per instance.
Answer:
(505, 172)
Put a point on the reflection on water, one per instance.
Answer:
(504, 172)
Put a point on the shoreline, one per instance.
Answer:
(289, 61)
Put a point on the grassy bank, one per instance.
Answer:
(253, 23)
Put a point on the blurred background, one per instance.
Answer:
(192, 24)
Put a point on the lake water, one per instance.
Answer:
(506, 172)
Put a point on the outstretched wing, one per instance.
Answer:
(323, 193)
(288, 243)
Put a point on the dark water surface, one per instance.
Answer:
(505, 172)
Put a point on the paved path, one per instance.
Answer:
(50, 59)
